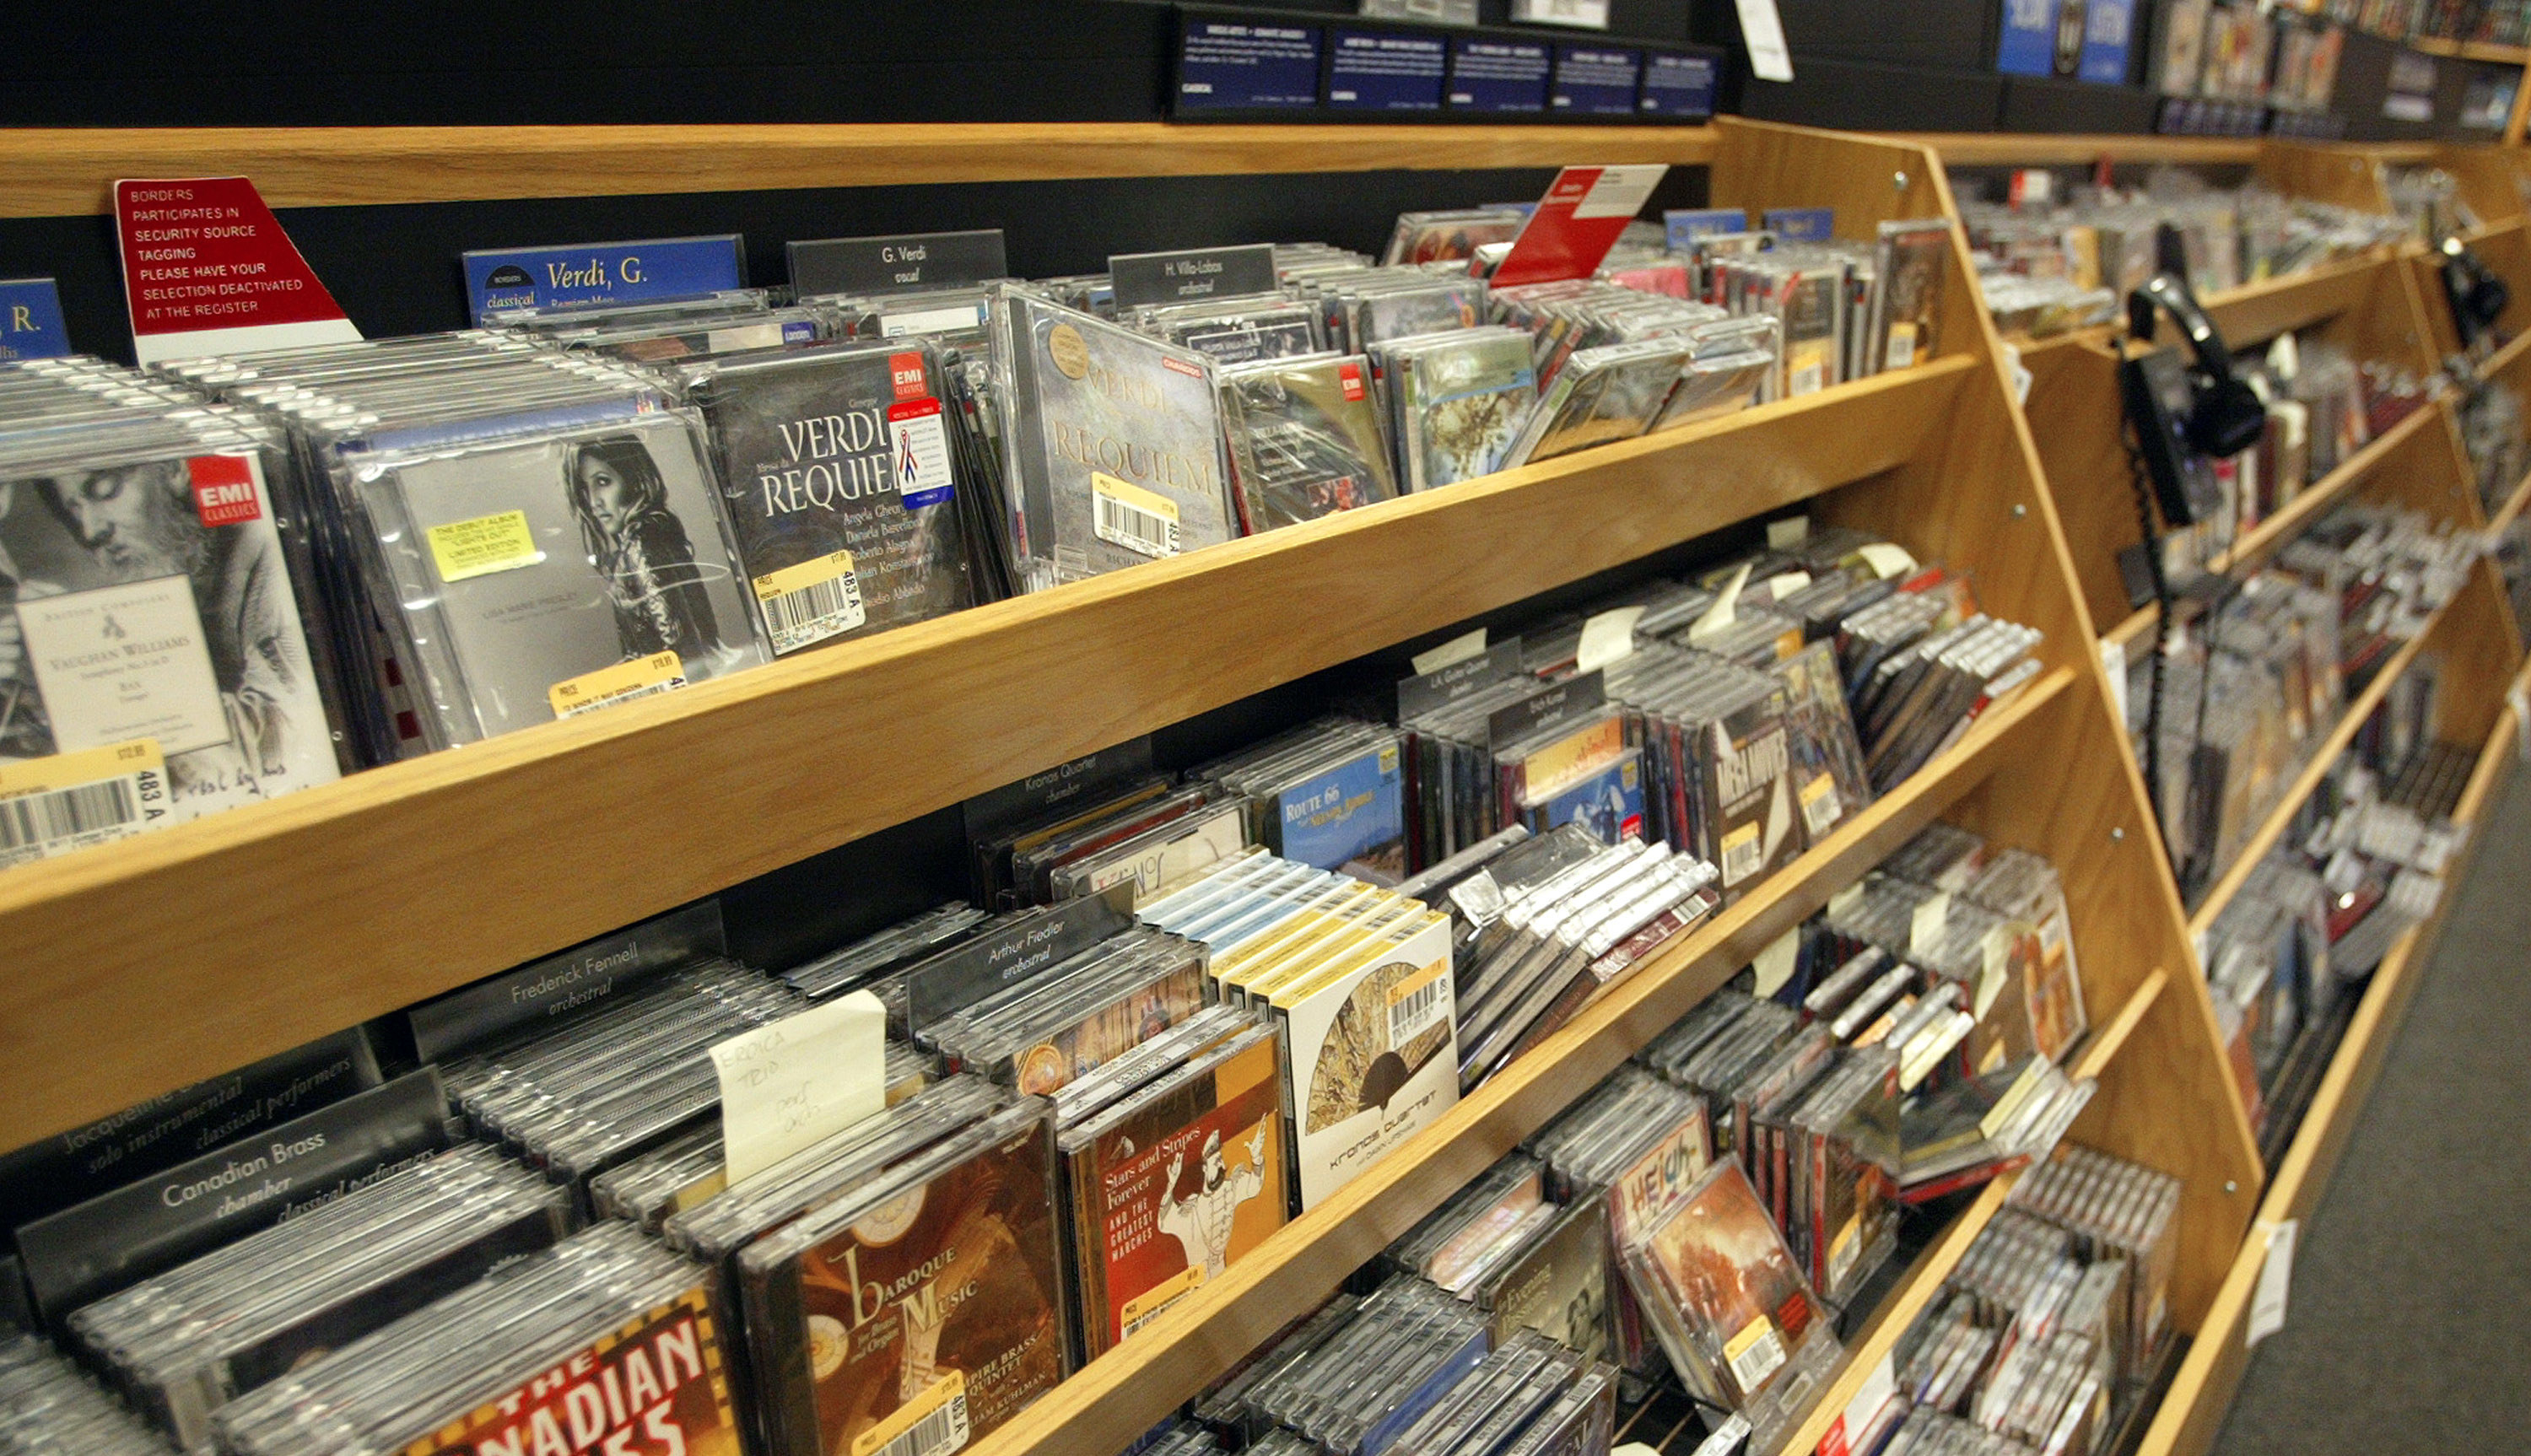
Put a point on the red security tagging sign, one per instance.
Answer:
(1572, 230)
(206, 269)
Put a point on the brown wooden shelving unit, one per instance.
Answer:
(238, 936)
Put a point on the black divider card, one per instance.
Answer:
(1678, 86)
(1497, 74)
(69, 1167)
(466, 1018)
(1380, 71)
(905, 263)
(1595, 80)
(1192, 275)
(86, 1253)
(1224, 67)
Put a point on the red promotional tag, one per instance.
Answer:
(206, 269)
(1349, 378)
(904, 371)
(224, 489)
(1577, 223)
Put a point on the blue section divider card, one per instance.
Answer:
(1595, 80)
(2026, 42)
(588, 274)
(1497, 76)
(1678, 86)
(1684, 225)
(1229, 67)
(30, 319)
(1800, 224)
(1381, 71)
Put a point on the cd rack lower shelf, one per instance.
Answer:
(2268, 537)
(2255, 311)
(286, 920)
(1123, 1393)
(2200, 1394)
(2280, 815)
(1889, 1323)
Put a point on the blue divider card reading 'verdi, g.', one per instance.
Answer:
(588, 274)
(1684, 225)
(1497, 74)
(1595, 80)
(1235, 67)
(30, 319)
(1381, 71)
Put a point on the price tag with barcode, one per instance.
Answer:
(1820, 807)
(1418, 1002)
(1138, 520)
(1754, 1354)
(643, 677)
(811, 602)
(1742, 853)
(932, 1424)
(64, 802)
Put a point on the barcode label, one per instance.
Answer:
(812, 601)
(1415, 1003)
(1754, 1354)
(64, 802)
(932, 1424)
(1808, 380)
(1132, 517)
(1903, 347)
(643, 677)
(1820, 804)
(1742, 853)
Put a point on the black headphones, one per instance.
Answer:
(2477, 296)
(2225, 416)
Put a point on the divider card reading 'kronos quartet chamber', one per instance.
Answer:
(206, 269)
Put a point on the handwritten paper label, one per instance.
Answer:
(1606, 638)
(2275, 1282)
(804, 1078)
(1457, 649)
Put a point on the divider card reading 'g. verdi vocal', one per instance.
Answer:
(206, 269)
(897, 262)
(582, 275)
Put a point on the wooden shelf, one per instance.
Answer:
(2475, 50)
(1890, 1322)
(2020, 149)
(2193, 1409)
(1113, 1399)
(2512, 507)
(2323, 758)
(283, 922)
(66, 171)
(2258, 312)
(2263, 539)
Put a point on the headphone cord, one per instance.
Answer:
(2152, 548)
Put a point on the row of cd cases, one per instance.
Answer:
(454, 537)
